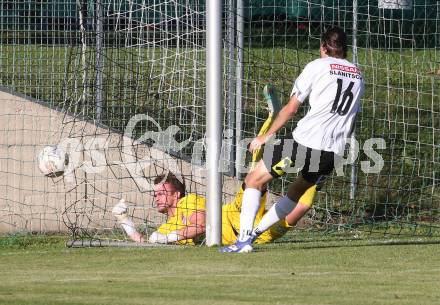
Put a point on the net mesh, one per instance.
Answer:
(142, 64)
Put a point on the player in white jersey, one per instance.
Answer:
(334, 87)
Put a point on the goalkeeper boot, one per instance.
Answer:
(120, 211)
(240, 246)
(273, 103)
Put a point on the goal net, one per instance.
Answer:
(123, 83)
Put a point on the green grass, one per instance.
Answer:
(295, 273)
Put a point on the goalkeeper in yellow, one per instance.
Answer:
(186, 213)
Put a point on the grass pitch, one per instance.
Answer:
(349, 272)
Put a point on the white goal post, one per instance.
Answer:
(214, 126)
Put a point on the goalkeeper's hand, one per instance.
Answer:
(159, 238)
(120, 211)
(258, 142)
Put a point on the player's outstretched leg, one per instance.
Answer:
(244, 243)
(274, 106)
(272, 99)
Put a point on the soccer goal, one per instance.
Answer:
(121, 86)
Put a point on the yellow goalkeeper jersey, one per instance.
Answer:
(186, 206)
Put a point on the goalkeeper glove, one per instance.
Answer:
(120, 211)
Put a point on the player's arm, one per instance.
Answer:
(195, 226)
(286, 113)
(137, 237)
(127, 224)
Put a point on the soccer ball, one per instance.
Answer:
(52, 161)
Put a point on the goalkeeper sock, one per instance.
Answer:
(278, 211)
(249, 209)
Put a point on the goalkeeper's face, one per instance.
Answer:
(166, 197)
